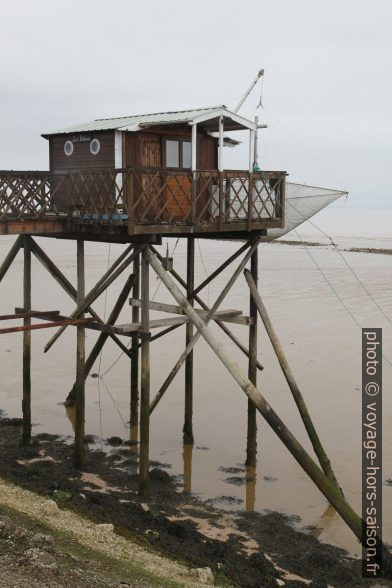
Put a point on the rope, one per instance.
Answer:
(205, 271)
(115, 405)
(100, 361)
(364, 287)
(339, 216)
(304, 149)
(171, 255)
(333, 289)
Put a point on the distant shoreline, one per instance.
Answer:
(351, 249)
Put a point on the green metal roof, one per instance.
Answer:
(209, 116)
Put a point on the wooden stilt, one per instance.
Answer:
(80, 364)
(95, 292)
(197, 299)
(68, 288)
(26, 402)
(96, 350)
(134, 405)
(251, 445)
(190, 279)
(145, 379)
(9, 258)
(187, 456)
(325, 485)
(250, 492)
(196, 336)
(306, 418)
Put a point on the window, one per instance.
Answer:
(95, 147)
(178, 153)
(68, 148)
(186, 154)
(172, 154)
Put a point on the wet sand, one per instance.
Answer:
(321, 341)
(244, 549)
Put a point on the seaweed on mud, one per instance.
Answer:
(235, 480)
(158, 517)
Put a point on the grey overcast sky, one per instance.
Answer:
(327, 90)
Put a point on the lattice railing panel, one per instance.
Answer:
(144, 196)
(25, 195)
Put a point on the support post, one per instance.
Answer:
(4, 267)
(220, 174)
(134, 405)
(251, 150)
(145, 379)
(194, 165)
(220, 145)
(196, 336)
(26, 401)
(96, 350)
(197, 298)
(187, 456)
(80, 363)
(109, 277)
(68, 288)
(190, 282)
(251, 445)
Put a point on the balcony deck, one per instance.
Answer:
(126, 203)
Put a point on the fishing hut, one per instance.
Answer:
(135, 180)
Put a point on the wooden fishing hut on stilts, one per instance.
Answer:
(135, 180)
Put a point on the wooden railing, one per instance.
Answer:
(147, 199)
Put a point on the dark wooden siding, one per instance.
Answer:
(142, 149)
(208, 153)
(81, 158)
(146, 148)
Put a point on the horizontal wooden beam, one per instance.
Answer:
(168, 322)
(32, 227)
(21, 315)
(91, 323)
(233, 316)
(48, 325)
(233, 227)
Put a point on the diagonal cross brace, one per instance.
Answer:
(328, 488)
(97, 290)
(196, 336)
(61, 279)
(204, 306)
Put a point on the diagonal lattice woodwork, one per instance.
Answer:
(145, 196)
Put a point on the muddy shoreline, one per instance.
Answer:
(375, 250)
(243, 549)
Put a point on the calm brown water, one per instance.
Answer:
(322, 343)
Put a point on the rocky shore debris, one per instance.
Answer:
(204, 575)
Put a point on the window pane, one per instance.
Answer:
(172, 154)
(186, 154)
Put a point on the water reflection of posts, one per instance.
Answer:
(325, 521)
(250, 499)
(70, 412)
(251, 442)
(187, 455)
(134, 404)
(134, 438)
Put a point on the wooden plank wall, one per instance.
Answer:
(81, 158)
(139, 149)
(145, 148)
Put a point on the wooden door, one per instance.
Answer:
(149, 155)
(178, 197)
